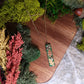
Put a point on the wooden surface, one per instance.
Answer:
(60, 35)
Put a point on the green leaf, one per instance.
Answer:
(83, 24)
(54, 8)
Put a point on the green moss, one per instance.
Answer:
(83, 24)
(80, 46)
(78, 21)
(55, 8)
(30, 51)
(27, 78)
(74, 3)
(20, 11)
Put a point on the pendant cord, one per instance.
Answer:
(45, 20)
(44, 23)
(34, 24)
(35, 27)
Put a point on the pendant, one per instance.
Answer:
(50, 54)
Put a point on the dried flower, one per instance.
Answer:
(3, 47)
(14, 55)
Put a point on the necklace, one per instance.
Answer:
(47, 45)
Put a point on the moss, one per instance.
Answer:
(30, 51)
(19, 11)
(80, 46)
(74, 3)
(55, 8)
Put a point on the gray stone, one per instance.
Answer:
(77, 38)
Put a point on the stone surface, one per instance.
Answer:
(71, 68)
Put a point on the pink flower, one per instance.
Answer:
(14, 56)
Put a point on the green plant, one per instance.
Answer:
(83, 24)
(74, 3)
(27, 77)
(30, 51)
(80, 46)
(78, 21)
(55, 8)
(20, 11)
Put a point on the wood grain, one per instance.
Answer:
(60, 35)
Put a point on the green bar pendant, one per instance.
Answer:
(50, 54)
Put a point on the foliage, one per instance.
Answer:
(30, 51)
(20, 11)
(80, 46)
(55, 8)
(3, 47)
(27, 78)
(23, 65)
(14, 55)
(78, 21)
(25, 33)
(74, 3)
(83, 24)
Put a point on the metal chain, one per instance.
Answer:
(45, 20)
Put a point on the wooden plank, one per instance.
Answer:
(60, 35)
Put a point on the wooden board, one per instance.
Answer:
(60, 35)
